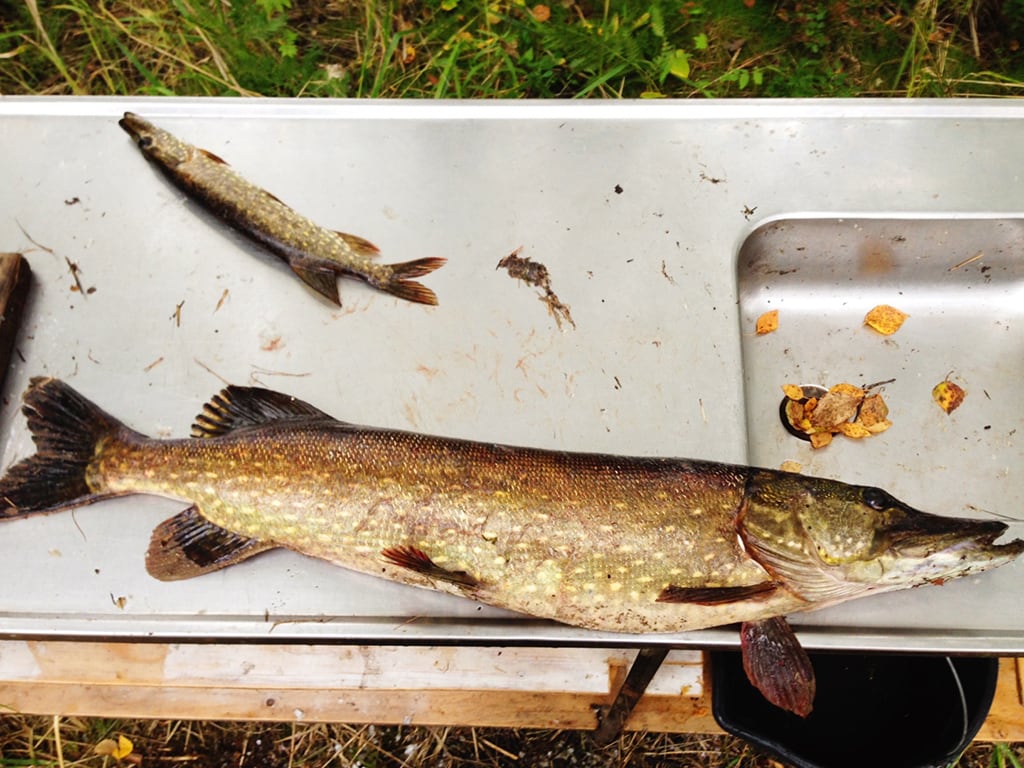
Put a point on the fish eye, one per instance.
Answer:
(145, 142)
(877, 499)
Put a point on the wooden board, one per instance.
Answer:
(498, 687)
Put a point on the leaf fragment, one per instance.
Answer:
(767, 323)
(885, 319)
(118, 750)
(948, 395)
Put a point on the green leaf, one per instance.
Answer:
(758, 76)
(449, 5)
(744, 79)
(700, 42)
(679, 64)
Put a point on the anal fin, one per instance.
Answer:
(323, 281)
(777, 665)
(715, 595)
(189, 545)
(416, 560)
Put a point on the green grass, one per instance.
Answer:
(509, 49)
(53, 742)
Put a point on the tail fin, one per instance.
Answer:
(401, 286)
(66, 429)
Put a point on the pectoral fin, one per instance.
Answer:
(189, 545)
(777, 665)
(715, 595)
(416, 560)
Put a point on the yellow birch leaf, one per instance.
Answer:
(767, 323)
(118, 750)
(793, 392)
(948, 395)
(791, 466)
(885, 319)
(855, 430)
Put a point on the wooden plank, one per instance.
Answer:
(529, 687)
(1005, 721)
(486, 687)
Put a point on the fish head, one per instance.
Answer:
(829, 541)
(155, 143)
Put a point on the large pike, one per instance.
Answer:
(316, 254)
(606, 542)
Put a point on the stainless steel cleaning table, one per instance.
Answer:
(667, 228)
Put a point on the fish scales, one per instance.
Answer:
(627, 544)
(564, 536)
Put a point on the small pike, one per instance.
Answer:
(317, 255)
(606, 542)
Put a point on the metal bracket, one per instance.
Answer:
(612, 717)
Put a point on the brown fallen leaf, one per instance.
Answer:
(873, 411)
(885, 319)
(838, 406)
(948, 395)
(767, 323)
(845, 409)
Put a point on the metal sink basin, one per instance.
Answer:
(961, 281)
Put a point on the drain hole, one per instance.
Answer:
(809, 391)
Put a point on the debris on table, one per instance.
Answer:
(536, 274)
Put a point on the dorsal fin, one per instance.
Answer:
(210, 156)
(234, 407)
(360, 245)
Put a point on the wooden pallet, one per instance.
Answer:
(513, 687)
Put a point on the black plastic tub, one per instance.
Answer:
(870, 709)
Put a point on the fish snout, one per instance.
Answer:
(140, 130)
(919, 535)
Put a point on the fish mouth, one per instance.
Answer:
(920, 536)
(134, 126)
